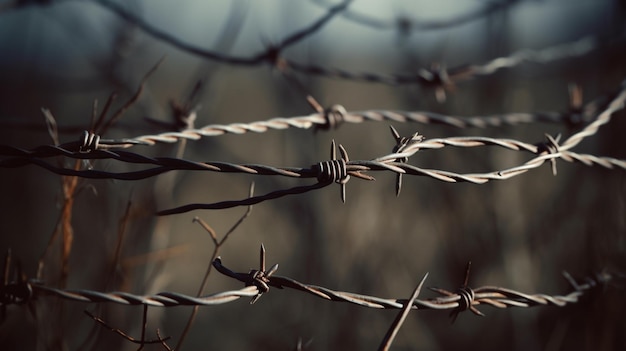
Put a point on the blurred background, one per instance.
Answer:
(520, 233)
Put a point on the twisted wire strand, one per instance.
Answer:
(577, 48)
(321, 120)
(269, 55)
(603, 118)
(24, 157)
(331, 118)
(337, 114)
(428, 77)
(164, 299)
(337, 172)
(488, 295)
(440, 76)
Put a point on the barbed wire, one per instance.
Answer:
(89, 145)
(269, 55)
(336, 115)
(437, 76)
(337, 170)
(166, 164)
(259, 282)
(440, 77)
(328, 172)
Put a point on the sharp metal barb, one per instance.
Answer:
(262, 259)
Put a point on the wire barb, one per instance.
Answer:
(403, 144)
(335, 170)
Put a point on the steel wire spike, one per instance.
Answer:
(260, 278)
(402, 143)
(335, 170)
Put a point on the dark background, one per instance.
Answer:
(520, 233)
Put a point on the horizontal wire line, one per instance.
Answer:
(440, 76)
(265, 56)
(488, 295)
(384, 163)
(426, 77)
(323, 120)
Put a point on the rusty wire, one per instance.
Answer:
(331, 118)
(326, 172)
(335, 115)
(338, 114)
(334, 170)
(269, 55)
(437, 76)
(384, 163)
(91, 146)
(259, 282)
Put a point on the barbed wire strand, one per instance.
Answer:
(268, 55)
(89, 143)
(385, 163)
(437, 76)
(337, 114)
(339, 172)
(258, 282)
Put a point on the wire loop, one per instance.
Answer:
(466, 295)
(333, 171)
(335, 115)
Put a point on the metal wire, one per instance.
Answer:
(333, 117)
(437, 76)
(326, 172)
(337, 114)
(91, 147)
(441, 77)
(269, 55)
(259, 282)
(333, 170)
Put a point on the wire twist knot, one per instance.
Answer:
(334, 116)
(466, 295)
(335, 170)
(551, 146)
(438, 78)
